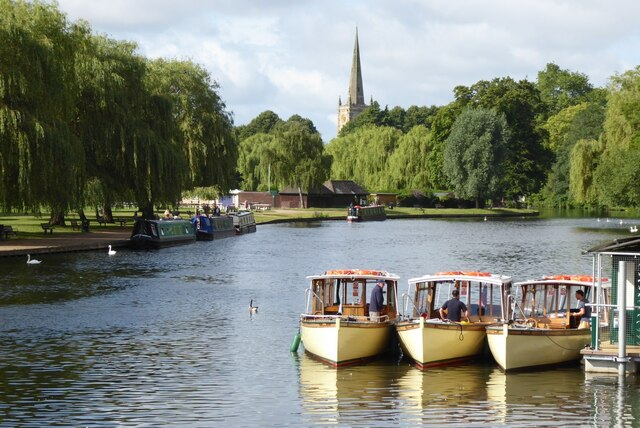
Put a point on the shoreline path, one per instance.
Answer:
(63, 243)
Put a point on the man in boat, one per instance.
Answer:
(584, 311)
(377, 302)
(455, 308)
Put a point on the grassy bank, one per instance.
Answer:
(29, 225)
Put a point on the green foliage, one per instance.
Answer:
(528, 160)
(560, 89)
(408, 164)
(475, 154)
(253, 162)
(363, 156)
(397, 118)
(585, 155)
(206, 128)
(264, 123)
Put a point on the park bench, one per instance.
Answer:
(75, 225)
(46, 227)
(8, 230)
(101, 221)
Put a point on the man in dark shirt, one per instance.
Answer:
(455, 308)
(584, 311)
(377, 302)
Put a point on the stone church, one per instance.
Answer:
(355, 102)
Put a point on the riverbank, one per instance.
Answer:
(65, 239)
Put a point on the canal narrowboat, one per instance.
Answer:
(359, 213)
(161, 233)
(432, 341)
(244, 222)
(543, 331)
(337, 327)
(215, 227)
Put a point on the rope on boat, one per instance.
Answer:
(560, 346)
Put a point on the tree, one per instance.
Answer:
(475, 154)
(560, 89)
(528, 160)
(206, 128)
(585, 155)
(363, 156)
(408, 164)
(264, 123)
(297, 157)
(253, 160)
(40, 157)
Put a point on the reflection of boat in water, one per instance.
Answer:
(544, 332)
(161, 233)
(336, 325)
(439, 387)
(431, 341)
(522, 396)
(339, 395)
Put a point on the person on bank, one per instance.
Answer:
(455, 308)
(377, 302)
(584, 311)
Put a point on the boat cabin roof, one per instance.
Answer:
(484, 277)
(568, 280)
(356, 273)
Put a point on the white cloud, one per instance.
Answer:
(294, 57)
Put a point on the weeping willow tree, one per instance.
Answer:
(584, 159)
(206, 128)
(40, 157)
(617, 178)
(297, 157)
(409, 163)
(253, 163)
(363, 155)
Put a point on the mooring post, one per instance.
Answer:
(622, 318)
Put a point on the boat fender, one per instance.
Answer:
(296, 343)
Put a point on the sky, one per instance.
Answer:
(294, 56)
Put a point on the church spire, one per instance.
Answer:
(356, 92)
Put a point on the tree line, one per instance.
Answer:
(85, 120)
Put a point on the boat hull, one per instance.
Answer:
(340, 342)
(432, 344)
(202, 235)
(520, 348)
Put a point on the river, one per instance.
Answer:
(165, 338)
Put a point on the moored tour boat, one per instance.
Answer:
(542, 331)
(366, 213)
(215, 227)
(244, 222)
(431, 341)
(161, 233)
(336, 326)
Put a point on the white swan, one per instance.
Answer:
(251, 307)
(32, 262)
(633, 229)
(485, 218)
(111, 252)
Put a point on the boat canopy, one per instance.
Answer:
(356, 273)
(577, 280)
(484, 277)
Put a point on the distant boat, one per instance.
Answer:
(244, 222)
(366, 213)
(161, 233)
(216, 227)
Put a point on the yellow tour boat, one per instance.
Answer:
(432, 341)
(336, 326)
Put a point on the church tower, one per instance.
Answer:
(355, 102)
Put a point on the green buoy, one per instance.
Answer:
(295, 343)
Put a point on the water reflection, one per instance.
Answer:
(428, 396)
(342, 396)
